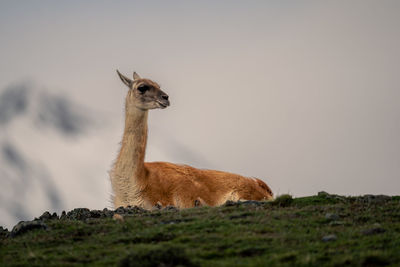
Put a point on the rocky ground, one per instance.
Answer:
(320, 230)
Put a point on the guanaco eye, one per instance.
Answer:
(143, 88)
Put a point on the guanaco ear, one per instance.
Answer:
(136, 76)
(128, 82)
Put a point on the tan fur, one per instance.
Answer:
(135, 182)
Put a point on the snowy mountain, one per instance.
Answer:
(55, 154)
(51, 154)
(43, 110)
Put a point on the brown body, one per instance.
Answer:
(135, 182)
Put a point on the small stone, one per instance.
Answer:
(336, 223)
(170, 208)
(171, 222)
(108, 213)
(157, 206)
(374, 199)
(130, 210)
(79, 214)
(120, 210)
(136, 210)
(331, 217)
(96, 214)
(63, 215)
(4, 233)
(379, 199)
(47, 216)
(329, 238)
(252, 203)
(230, 203)
(23, 227)
(323, 194)
(375, 229)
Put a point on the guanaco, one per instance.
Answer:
(136, 183)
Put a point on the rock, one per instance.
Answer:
(105, 213)
(47, 216)
(171, 222)
(331, 217)
(170, 208)
(96, 214)
(323, 194)
(252, 203)
(326, 195)
(329, 238)
(376, 229)
(63, 215)
(130, 210)
(157, 206)
(373, 199)
(83, 214)
(79, 214)
(120, 210)
(230, 203)
(378, 199)
(4, 233)
(108, 213)
(23, 227)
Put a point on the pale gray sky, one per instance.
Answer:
(303, 94)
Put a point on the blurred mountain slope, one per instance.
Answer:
(42, 136)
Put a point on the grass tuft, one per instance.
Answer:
(283, 201)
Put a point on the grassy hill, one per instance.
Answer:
(322, 230)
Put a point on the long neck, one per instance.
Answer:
(134, 141)
(130, 162)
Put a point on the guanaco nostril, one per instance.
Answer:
(165, 97)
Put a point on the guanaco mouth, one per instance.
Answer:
(163, 105)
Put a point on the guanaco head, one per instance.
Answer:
(144, 93)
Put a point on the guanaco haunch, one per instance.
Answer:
(135, 182)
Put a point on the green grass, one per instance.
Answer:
(285, 232)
